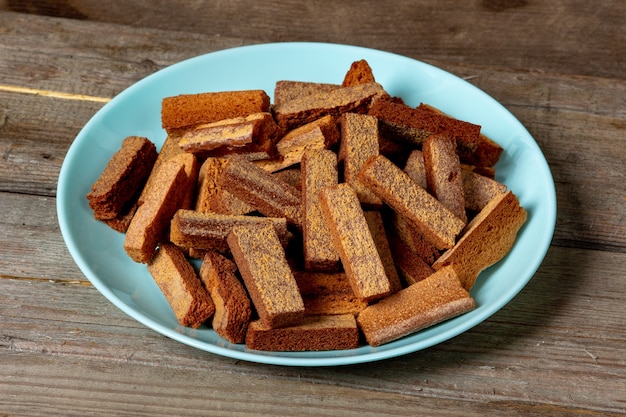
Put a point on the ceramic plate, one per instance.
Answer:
(98, 250)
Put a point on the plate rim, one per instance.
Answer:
(280, 358)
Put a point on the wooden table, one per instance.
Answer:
(559, 348)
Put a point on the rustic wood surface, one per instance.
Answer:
(557, 349)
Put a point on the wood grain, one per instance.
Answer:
(568, 36)
(494, 362)
(558, 111)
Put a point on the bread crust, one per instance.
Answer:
(319, 170)
(148, 226)
(178, 281)
(116, 190)
(315, 333)
(486, 239)
(424, 212)
(266, 273)
(443, 173)
(232, 305)
(258, 188)
(354, 242)
(187, 110)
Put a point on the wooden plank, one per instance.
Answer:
(466, 32)
(31, 245)
(100, 60)
(43, 385)
(562, 323)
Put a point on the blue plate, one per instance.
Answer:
(98, 251)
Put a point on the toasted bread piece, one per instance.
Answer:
(168, 150)
(354, 242)
(290, 114)
(116, 189)
(360, 72)
(291, 176)
(415, 168)
(263, 266)
(192, 169)
(232, 305)
(319, 134)
(376, 226)
(400, 229)
(186, 110)
(314, 333)
(414, 125)
(479, 190)
(488, 150)
(286, 90)
(327, 293)
(425, 303)
(486, 239)
(213, 198)
(122, 221)
(258, 188)
(424, 212)
(179, 283)
(410, 264)
(208, 231)
(443, 173)
(148, 226)
(359, 141)
(231, 135)
(319, 170)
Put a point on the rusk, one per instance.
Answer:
(234, 135)
(486, 239)
(209, 231)
(290, 114)
(232, 305)
(414, 125)
(319, 170)
(425, 303)
(286, 90)
(443, 173)
(359, 72)
(266, 274)
(315, 333)
(326, 293)
(359, 141)
(258, 188)
(487, 151)
(211, 197)
(376, 226)
(479, 190)
(424, 212)
(318, 134)
(354, 242)
(116, 189)
(415, 168)
(178, 281)
(148, 226)
(187, 110)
